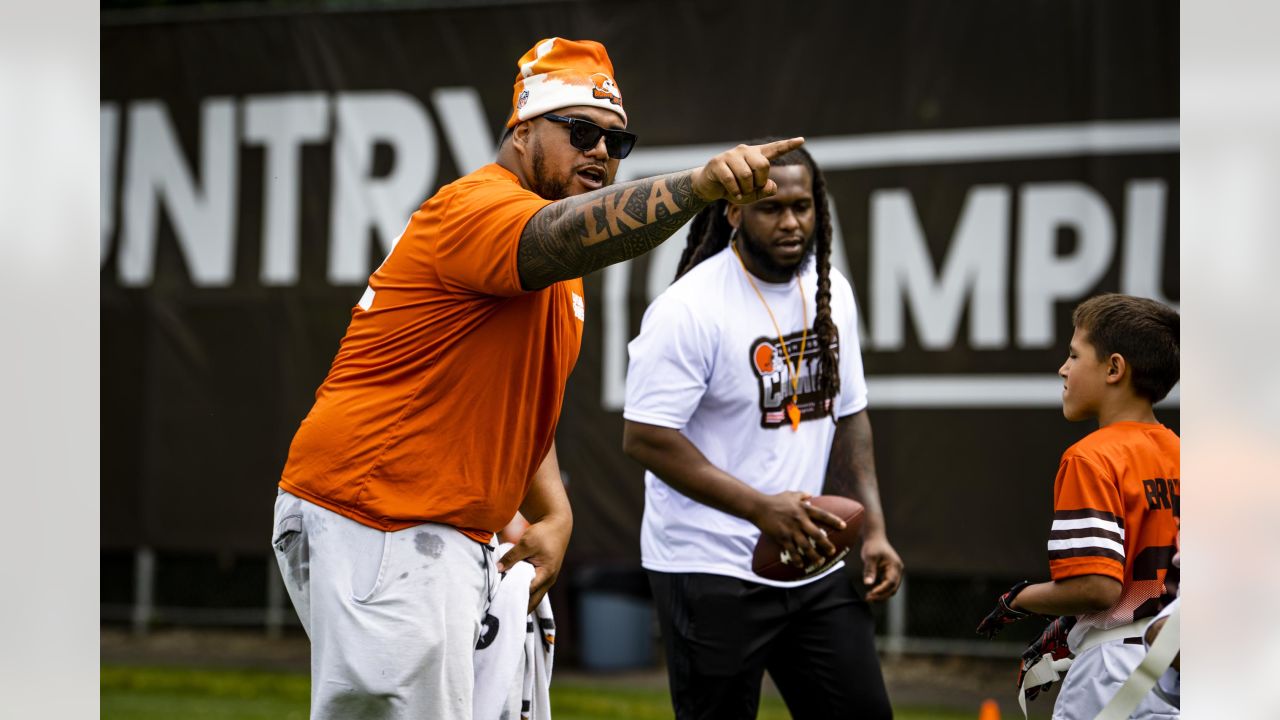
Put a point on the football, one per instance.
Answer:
(770, 561)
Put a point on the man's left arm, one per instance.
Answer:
(851, 472)
(546, 507)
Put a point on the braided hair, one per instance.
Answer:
(710, 232)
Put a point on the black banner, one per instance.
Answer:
(990, 164)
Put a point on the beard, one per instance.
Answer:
(760, 254)
(543, 184)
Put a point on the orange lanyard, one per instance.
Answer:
(793, 407)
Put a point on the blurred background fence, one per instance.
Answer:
(990, 164)
(605, 612)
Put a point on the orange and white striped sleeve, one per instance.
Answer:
(1087, 536)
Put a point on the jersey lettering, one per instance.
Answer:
(1159, 492)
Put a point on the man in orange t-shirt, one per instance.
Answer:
(1116, 506)
(437, 419)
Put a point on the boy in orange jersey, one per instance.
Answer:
(1116, 508)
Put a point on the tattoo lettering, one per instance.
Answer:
(614, 214)
(581, 234)
(661, 204)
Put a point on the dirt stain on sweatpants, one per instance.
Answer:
(429, 544)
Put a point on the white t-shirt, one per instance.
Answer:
(707, 363)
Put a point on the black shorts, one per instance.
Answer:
(817, 641)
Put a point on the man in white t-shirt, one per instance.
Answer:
(745, 396)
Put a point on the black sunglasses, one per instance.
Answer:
(584, 134)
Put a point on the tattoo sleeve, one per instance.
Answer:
(851, 469)
(575, 236)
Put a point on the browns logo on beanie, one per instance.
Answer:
(558, 73)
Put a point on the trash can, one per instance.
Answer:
(615, 618)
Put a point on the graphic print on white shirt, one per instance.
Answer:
(770, 365)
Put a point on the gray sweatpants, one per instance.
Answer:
(393, 617)
(1095, 677)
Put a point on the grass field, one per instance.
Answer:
(134, 693)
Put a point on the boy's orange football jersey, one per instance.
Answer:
(1115, 513)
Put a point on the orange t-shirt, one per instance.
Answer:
(444, 396)
(1116, 509)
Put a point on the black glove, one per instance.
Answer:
(1052, 642)
(1004, 613)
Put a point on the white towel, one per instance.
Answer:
(514, 656)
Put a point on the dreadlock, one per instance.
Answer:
(710, 231)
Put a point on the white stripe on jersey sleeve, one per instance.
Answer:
(1083, 542)
(1081, 523)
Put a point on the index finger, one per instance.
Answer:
(518, 552)
(882, 591)
(825, 517)
(780, 147)
(538, 587)
(890, 577)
